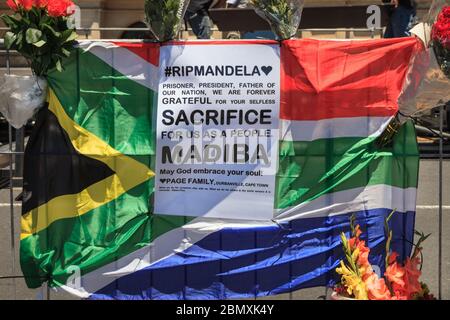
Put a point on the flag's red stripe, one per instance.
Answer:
(334, 79)
(150, 51)
(147, 51)
(219, 42)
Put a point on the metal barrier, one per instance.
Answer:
(372, 32)
(15, 152)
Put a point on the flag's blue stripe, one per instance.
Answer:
(243, 263)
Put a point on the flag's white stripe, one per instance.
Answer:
(126, 62)
(353, 200)
(166, 245)
(180, 239)
(292, 130)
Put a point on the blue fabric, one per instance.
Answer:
(246, 263)
(400, 23)
(200, 24)
(262, 34)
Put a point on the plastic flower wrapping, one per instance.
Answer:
(283, 16)
(401, 280)
(428, 83)
(40, 31)
(440, 37)
(165, 17)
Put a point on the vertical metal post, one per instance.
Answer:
(441, 149)
(19, 147)
(11, 194)
(291, 293)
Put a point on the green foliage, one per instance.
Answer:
(387, 137)
(388, 233)
(443, 57)
(164, 17)
(41, 39)
(283, 16)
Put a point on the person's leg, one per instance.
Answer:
(200, 24)
(205, 32)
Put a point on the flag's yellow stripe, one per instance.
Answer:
(128, 174)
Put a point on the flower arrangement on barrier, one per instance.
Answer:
(428, 81)
(359, 281)
(165, 17)
(440, 37)
(283, 16)
(40, 30)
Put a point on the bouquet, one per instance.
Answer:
(40, 32)
(440, 37)
(283, 16)
(360, 282)
(164, 17)
(427, 85)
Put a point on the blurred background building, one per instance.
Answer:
(130, 14)
(124, 19)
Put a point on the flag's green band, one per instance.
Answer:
(308, 170)
(128, 174)
(108, 104)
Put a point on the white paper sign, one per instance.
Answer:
(217, 130)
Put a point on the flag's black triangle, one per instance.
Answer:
(52, 166)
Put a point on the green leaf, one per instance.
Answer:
(46, 61)
(71, 37)
(59, 66)
(391, 214)
(25, 20)
(33, 35)
(55, 33)
(19, 40)
(40, 43)
(9, 21)
(65, 52)
(9, 39)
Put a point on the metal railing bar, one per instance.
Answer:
(83, 30)
(440, 212)
(12, 152)
(11, 192)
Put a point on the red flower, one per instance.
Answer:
(441, 29)
(353, 242)
(59, 8)
(40, 3)
(399, 295)
(363, 257)
(445, 12)
(26, 4)
(412, 275)
(395, 274)
(376, 287)
(23, 4)
(12, 4)
(404, 279)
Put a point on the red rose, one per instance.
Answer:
(441, 29)
(25, 4)
(40, 3)
(446, 12)
(12, 4)
(59, 8)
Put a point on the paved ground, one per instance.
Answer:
(427, 221)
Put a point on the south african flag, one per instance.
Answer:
(88, 225)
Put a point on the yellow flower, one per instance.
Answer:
(354, 284)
